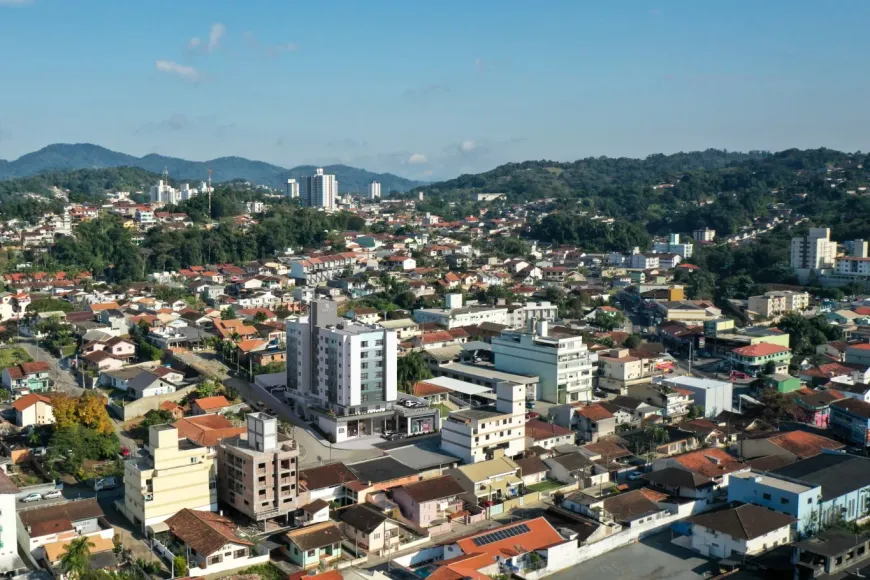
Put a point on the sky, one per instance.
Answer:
(432, 89)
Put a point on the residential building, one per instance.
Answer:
(10, 562)
(832, 554)
(596, 420)
(753, 360)
(547, 435)
(714, 396)
(774, 304)
(705, 235)
(850, 420)
(673, 402)
(205, 430)
(326, 482)
(454, 314)
(257, 474)
(208, 405)
(490, 481)
(674, 246)
(520, 316)
(561, 361)
(368, 529)
(212, 546)
(618, 368)
(46, 527)
(374, 190)
(785, 448)
(33, 409)
(29, 377)
(310, 546)
(477, 434)
(856, 354)
(349, 371)
(168, 475)
(682, 484)
(791, 497)
(631, 509)
(428, 503)
(713, 463)
(292, 189)
(815, 251)
(319, 190)
(739, 531)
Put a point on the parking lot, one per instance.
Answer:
(653, 558)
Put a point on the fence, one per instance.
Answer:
(137, 408)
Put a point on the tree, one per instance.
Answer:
(91, 412)
(410, 369)
(805, 334)
(260, 317)
(180, 565)
(633, 341)
(33, 438)
(776, 406)
(64, 408)
(770, 367)
(74, 560)
(272, 367)
(49, 305)
(205, 389)
(228, 313)
(608, 321)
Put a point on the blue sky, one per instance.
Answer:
(431, 89)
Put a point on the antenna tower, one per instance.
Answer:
(209, 194)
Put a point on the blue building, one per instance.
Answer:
(850, 419)
(788, 496)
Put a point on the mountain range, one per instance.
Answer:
(63, 156)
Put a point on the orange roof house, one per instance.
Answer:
(209, 405)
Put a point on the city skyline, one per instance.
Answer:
(441, 91)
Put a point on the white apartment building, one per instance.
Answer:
(673, 246)
(321, 269)
(562, 362)
(813, 252)
(454, 314)
(772, 304)
(292, 190)
(475, 434)
(374, 190)
(705, 235)
(344, 374)
(853, 266)
(532, 310)
(320, 190)
(643, 261)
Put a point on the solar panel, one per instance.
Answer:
(501, 535)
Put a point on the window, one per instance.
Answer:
(377, 536)
(364, 344)
(783, 500)
(765, 495)
(310, 553)
(240, 553)
(809, 500)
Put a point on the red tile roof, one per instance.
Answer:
(424, 389)
(761, 349)
(539, 430)
(709, 462)
(216, 402)
(28, 401)
(594, 412)
(804, 444)
(207, 430)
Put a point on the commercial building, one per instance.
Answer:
(754, 359)
(257, 474)
(374, 190)
(772, 304)
(319, 190)
(561, 361)
(477, 434)
(168, 475)
(713, 395)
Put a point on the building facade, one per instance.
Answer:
(476, 435)
(374, 190)
(319, 190)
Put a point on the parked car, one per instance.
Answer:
(54, 494)
(125, 453)
(635, 475)
(31, 497)
(105, 483)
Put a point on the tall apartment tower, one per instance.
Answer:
(257, 474)
(292, 189)
(320, 190)
(813, 252)
(342, 366)
(374, 190)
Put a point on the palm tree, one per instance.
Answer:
(74, 561)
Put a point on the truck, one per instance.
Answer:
(102, 483)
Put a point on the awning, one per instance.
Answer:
(158, 527)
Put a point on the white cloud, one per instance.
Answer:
(417, 159)
(468, 145)
(184, 72)
(214, 35)
(194, 42)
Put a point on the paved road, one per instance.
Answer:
(70, 493)
(313, 450)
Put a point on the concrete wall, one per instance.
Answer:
(141, 406)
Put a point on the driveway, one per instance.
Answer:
(63, 380)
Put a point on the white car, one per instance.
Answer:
(31, 497)
(54, 494)
(634, 475)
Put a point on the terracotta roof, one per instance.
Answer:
(744, 522)
(6, 485)
(315, 506)
(432, 489)
(306, 575)
(540, 535)
(205, 532)
(607, 449)
(761, 349)
(207, 430)
(531, 465)
(803, 443)
(250, 345)
(626, 507)
(104, 306)
(216, 402)
(24, 369)
(59, 517)
(711, 462)
(539, 430)
(424, 389)
(29, 400)
(594, 412)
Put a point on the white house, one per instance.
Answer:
(744, 530)
(33, 409)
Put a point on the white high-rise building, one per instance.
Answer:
(349, 370)
(563, 363)
(164, 193)
(374, 190)
(815, 251)
(320, 190)
(292, 189)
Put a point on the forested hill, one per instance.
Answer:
(670, 193)
(65, 157)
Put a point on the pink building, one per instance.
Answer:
(428, 503)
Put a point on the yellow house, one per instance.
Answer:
(169, 475)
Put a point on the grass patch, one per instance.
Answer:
(543, 486)
(444, 409)
(13, 355)
(265, 572)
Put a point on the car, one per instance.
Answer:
(125, 452)
(39, 451)
(31, 497)
(53, 494)
(635, 475)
